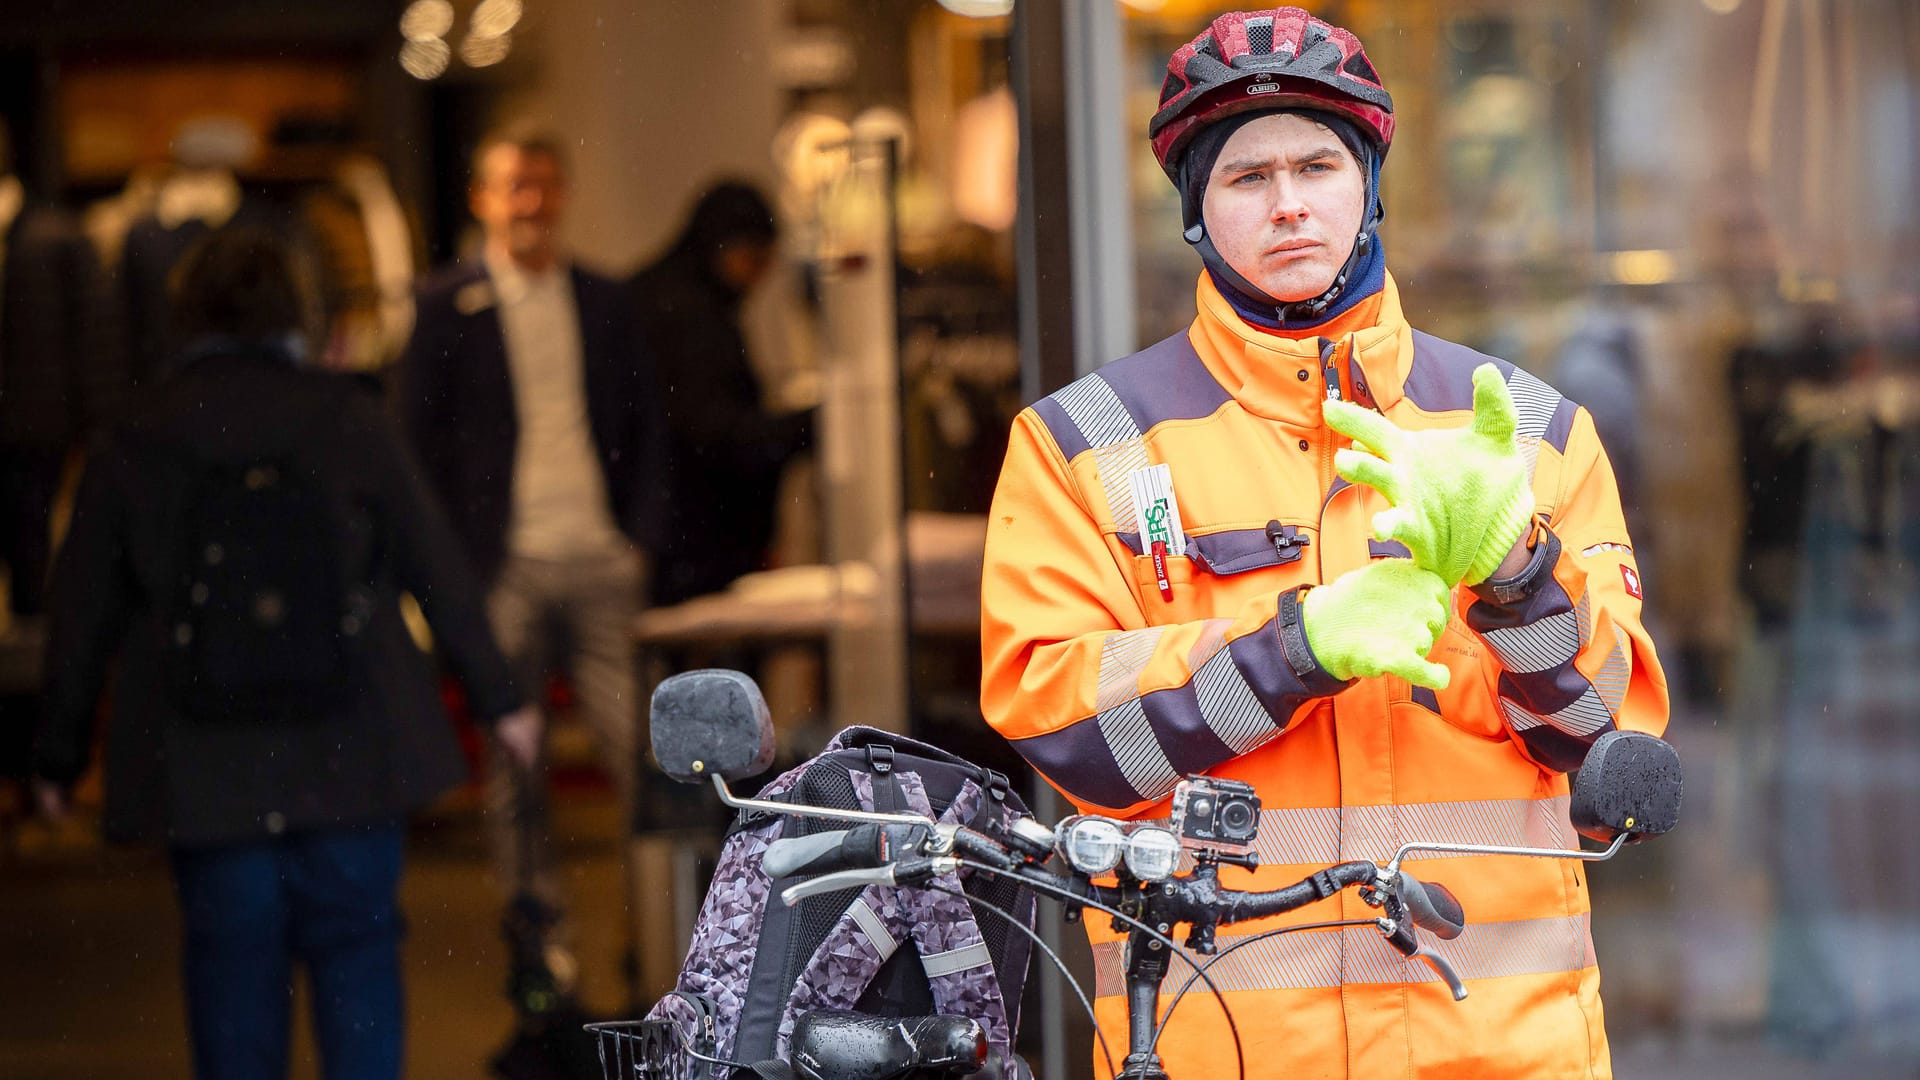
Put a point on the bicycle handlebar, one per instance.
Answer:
(876, 854)
(860, 847)
(1432, 907)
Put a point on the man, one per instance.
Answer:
(530, 403)
(238, 546)
(1414, 635)
(720, 435)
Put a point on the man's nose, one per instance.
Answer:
(1288, 207)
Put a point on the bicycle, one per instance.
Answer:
(709, 729)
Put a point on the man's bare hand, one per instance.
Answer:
(519, 733)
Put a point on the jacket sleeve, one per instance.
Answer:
(429, 564)
(1111, 711)
(422, 384)
(1570, 660)
(90, 598)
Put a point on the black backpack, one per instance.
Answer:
(755, 965)
(272, 593)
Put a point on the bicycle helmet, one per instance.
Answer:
(1273, 59)
(1277, 60)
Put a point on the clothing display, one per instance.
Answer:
(188, 204)
(60, 376)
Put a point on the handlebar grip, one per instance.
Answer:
(978, 845)
(1433, 908)
(816, 854)
(860, 847)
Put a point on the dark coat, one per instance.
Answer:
(61, 369)
(721, 438)
(456, 397)
(386, 749)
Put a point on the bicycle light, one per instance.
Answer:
(1092, 845)
(1153, 853)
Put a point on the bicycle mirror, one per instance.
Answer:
(710, 722)
(1630, 783)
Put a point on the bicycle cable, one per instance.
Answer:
(1239, 1056)
(1222, 954)
(1078, 990)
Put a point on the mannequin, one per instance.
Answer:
(199, 194)
(57, 373)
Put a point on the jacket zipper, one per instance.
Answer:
(1330, 370)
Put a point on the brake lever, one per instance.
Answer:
(1443, 969)
(910, 872)
(1397, 927)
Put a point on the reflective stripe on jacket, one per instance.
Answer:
(1113, 689)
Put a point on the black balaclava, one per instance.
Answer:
(1365, 272)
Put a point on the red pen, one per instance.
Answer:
(1160, 570)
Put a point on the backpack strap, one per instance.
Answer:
(940, 926)
(887, 796)
(953, 950)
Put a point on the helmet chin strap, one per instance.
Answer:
(1284, 311)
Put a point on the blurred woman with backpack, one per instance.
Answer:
(240, 544)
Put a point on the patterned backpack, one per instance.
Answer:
(756, 965)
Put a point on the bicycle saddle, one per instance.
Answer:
(832, 1044)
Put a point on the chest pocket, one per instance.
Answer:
(1220, 570)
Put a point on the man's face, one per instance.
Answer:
(1284, 205)
(517, 197)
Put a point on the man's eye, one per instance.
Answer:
(1251, 177)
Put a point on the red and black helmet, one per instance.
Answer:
(1277, 58)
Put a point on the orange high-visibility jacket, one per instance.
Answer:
(1113, 689)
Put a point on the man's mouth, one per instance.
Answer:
(1288, 247)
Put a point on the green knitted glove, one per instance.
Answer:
(1460, 496)
(1383, 617)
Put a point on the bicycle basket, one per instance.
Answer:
(632, 1049)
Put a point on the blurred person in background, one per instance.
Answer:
(530, 399)
(1380, 577)
(240, 544)
(721, 435)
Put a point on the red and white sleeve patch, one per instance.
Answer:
(1632, 581)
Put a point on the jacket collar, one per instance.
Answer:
(1261, 368)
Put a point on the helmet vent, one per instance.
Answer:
(1172, 88)
(1260, 36)
(1358, 67)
